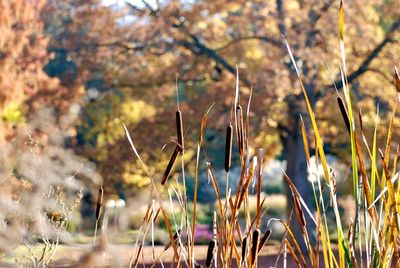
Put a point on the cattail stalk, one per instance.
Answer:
(259, 178)
(179, 133)
(228, 156)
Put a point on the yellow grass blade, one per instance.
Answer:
(312, 116)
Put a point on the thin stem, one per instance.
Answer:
(95, 232)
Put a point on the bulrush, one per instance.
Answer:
(212, 246)
(254, 245)
(239, 116)
(176, 236)
(99, 202)
(299, 212)
(178, 148)
(264, 239)
(171, 162)
(343, 110)
(228, 147)
(244, 249)
(179, 128)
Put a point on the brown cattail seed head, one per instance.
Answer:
(299, 211)
(228, 147)
(170, 164)
(210, 252)
(244, 248)
(99, 202)
(179, 128)
(239, 115)
(254, 245)
(264, 239)
(343, 110)
(176, 236)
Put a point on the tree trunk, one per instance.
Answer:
(296, 169)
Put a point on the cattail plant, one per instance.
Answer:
(244, 251)
(212, 247)
(176, 236)
(344, 113)
(228, 147)
(228, 155)
(171, 162)
(264, 239)
(255, 240)
(179, 128)
(240, 130)
(98, 210)
(178, 149)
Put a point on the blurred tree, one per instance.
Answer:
(36, 119)
(22, 57)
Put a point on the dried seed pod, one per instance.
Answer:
(299, 211)
(254, 245)
(244, 249)
(264, 239)
(170, 164)
(361, 122)
(343, 110)
(179, 128)
(228, 147)
(210, 252)
(176, 236)
(99, 202)
(239, 115)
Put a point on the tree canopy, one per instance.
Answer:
(119, 63)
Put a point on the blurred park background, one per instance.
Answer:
(73, 71)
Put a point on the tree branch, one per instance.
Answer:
(281, 15)
(314, 17)
(364, 66)
(266, 39)
(199, 48)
